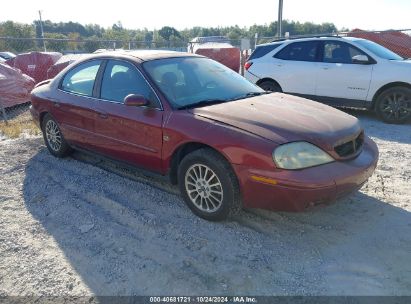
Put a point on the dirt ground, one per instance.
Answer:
(73, 227)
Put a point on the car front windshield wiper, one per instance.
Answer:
(251, 94)
(211, 101)
(202, 103)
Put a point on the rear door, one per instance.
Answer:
(295, 67)
(73, 106)
(128, 133)
(339, 76)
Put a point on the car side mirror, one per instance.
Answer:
(360, 59)
(134, 100)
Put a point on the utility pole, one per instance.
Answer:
(42, 32)
(280, 19)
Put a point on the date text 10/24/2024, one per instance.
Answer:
(203, 299)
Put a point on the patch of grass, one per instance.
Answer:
(17, 126)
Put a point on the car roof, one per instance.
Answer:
(271, 43)
(301, 39)
(143, 55)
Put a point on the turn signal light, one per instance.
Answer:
(265, 180)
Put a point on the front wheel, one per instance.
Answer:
(270, 86)
(394, 105)
(53, 137)
(209, 185)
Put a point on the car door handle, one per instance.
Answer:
(103, 115)
(56, 104)
(325, 68)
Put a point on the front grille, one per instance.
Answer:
(351, 147)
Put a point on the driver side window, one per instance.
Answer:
(340, 52)
(121, 79)
(80, 80)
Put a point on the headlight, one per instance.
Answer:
(299, 155)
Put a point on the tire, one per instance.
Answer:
(211, 197)
(394, 105)
(270, 86)
(53, 138)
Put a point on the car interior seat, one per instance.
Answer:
(168, 83)
(120, 86)
(341, 55)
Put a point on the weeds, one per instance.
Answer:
(15, 127)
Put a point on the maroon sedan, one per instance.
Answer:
(223, 140)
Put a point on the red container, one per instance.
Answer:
(395, 41)
(15, 87)
(224, 53)
(62, 63)
(35, 64)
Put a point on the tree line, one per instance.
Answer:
(73, 36)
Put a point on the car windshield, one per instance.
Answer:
(197, 81)
(379, 50)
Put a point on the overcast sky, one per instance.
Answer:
(364, 14)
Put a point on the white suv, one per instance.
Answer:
(340, 71)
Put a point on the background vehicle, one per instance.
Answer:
(7, 55)
(217, 48)
(225, 141)
(35, 64)
(15, 87)
(340, 71)
(62, 63)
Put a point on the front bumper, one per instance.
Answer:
(300, 189)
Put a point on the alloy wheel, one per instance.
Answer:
(204, 188)
(395, 105)
(53, 135)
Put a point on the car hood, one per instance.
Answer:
(284, 118)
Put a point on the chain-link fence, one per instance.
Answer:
(21, 45)
(18, 75)
(41, 59)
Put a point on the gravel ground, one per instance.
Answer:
(73, 227)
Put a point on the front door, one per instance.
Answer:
(129, 133)
(339, 76)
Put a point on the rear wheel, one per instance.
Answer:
(209, 185)
(270, 86)
(53, 137)
(394, 105)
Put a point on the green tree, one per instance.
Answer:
(167, 31)
(92, 44)
(235, 33)
(73, 44)
(167, 36)
(17, 30)
(148, 38)
(56, 42)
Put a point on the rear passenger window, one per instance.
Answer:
(299, 51)
(263, 50)
(80, 80)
